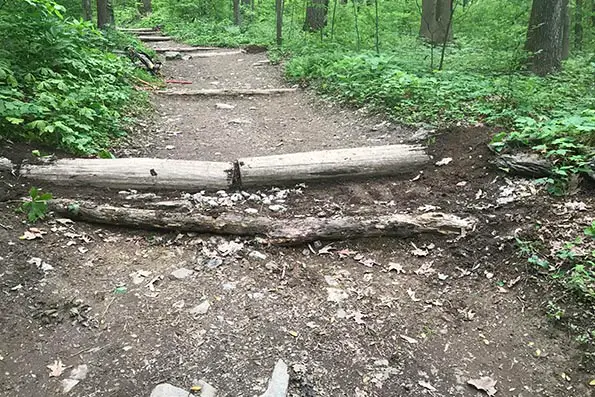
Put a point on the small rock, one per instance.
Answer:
(279, 381)
(224, 106)
(336, 295)
(206, 389)
(171, 55)
(170, 147)
(181, 273)
(167, 390)
(203, 308)
(213, 263)
(251, 211)
(257, 255)
(444, 161)
(69, 384)
(277, 208)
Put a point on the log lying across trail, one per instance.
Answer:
(154, 38)
(137, 30)
(228, 92)
(185, 49)
(277, 231)
(189, 175)
(215, 54)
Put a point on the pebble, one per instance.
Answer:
(167, 390)
(203, 308)
(257, 255)
(181, 273)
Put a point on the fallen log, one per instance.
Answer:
(214, 54)
(154, 38)
(185, 49)
(331, 164)
(148, 173)
(276, 231)
(524, 164)
(5, 164)
(133, 173)
(228, 92)
(137, 30)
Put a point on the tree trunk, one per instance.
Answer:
(316, 13)
(545, 36)
(237, 13)
(110, 14)
(290, 231)
(566, 31)
(87, 10)
(279, 19)
(102, 14)
(578, 25)
(435, 19)
(145, 7)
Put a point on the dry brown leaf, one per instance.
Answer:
(485, 383)
(56, 368)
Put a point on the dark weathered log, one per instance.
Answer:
(5, 164)
(154, 38)
(332, 164)
(276, 231)
(228, 92)
(185, 49)
(134, 173)
(524, 164)
(137, 30)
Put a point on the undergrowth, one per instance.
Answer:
(62, 83)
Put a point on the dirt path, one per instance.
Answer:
(360, 318)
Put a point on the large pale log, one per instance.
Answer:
(227, 92)
(277, 231)
(332, 164)
(137, 30)
(154, 38)
(185, 49)
(5, 164)
(216, 54)
(136, 173)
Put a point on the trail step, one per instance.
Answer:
(228, 92)
(154, 38)
(185, 49)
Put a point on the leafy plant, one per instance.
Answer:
(36, 205)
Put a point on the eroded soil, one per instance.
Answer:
(375, 317)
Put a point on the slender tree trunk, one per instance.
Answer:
(237, 15)
(87, 10)
(333, 19)
(436, 21)
(448, 25)
(566, 30)
(316, 13)
(279, 17)
(145, 7)
(578, 25)
(102, 14)
(545, 36)
(110, 14)
(377, 30)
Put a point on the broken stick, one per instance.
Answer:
(290, 231)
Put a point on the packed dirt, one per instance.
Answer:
(375, 317)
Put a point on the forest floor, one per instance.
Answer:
(374, 317)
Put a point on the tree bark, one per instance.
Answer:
(228, 92)
(237, 13)
(578, 25)
(435, 20)
(102, 13)
(110, 14)
(277, 231)
(87, 10)
(316, 15)
(566, 31)
(279, 4)
(145, 7)
(154, 38)
(150, 173)
(545, 36)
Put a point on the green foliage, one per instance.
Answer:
(60, 84)
(36, 205)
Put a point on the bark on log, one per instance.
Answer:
(154, 38)
(276, 231)
(228, 92)
(332, 164)
(5, 164)
(216, 54)
(185, 49)
(135, 173)
(147, 173)
(524, 164)
(137, 30)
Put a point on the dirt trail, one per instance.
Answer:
(380, 317)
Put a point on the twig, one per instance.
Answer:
(107, 308)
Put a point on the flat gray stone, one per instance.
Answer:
(167, 390)
(279, 381)
(181, 273)
(170, 55)
(206, 389)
